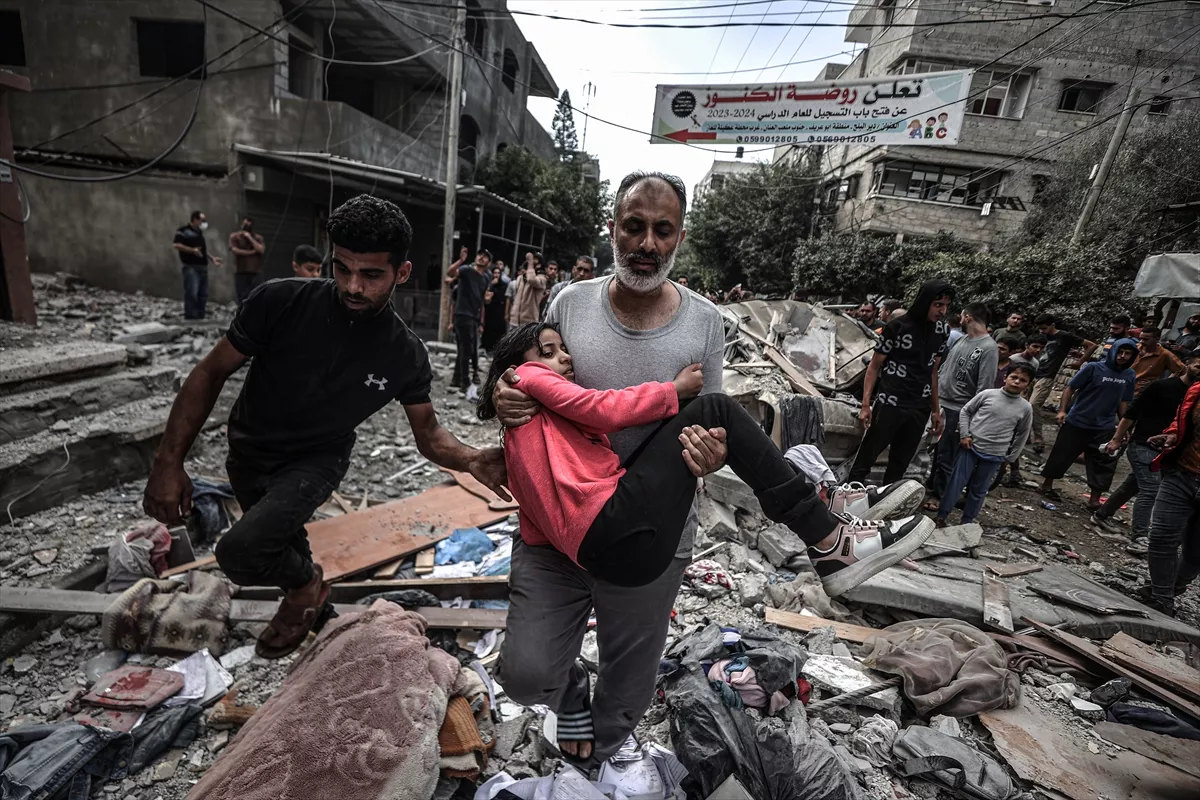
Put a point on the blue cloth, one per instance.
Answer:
(1099, 389)
(465, 544)
(973, 473)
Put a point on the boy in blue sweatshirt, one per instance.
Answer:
(992, 429)
(1101, 391)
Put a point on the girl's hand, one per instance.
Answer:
(689, 381)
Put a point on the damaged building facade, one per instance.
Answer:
(279, 134)
(1028, 94)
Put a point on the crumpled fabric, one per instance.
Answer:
(948, 666)
(806, 592)
(808, 459)
(926, 753)
(707, 571)
(739, 675)
(1153, 720)
(776, 662)
(163, 728)
(803, 421)
(140, 553)
(409, 599)
(874, 739)
(207, 509)
(465, 544)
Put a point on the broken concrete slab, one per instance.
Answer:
(751, 589)
(1041, 748)
(840, 675)
(779, 544)
(58, 361)
(949, 539)
(717, 519)
(950, 587)
(726, 487)
(29, 413)
(149, 333)
(1181, 753)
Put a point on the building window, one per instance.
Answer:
(994, 94)
(841, 191)
(911, 66)
(476, 27)
(301, 69)
(1082, 98)
(170, 49)
(509, 70)
(12, 43)
(1159, 105)
(887, 12)
(969, 187)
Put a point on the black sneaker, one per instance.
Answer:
(865, 548)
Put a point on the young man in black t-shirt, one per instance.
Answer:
(472, 284)
(327, 355)
(193, 260)
(1059, 344)
(905, 370)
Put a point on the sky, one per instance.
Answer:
(577, 54)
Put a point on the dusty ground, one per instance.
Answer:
(47, 545)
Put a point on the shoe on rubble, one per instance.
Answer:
(893, 501)
(865, 548)
(1105, 523)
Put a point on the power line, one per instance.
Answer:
(721, 41)
(807, 33)
(753, 36)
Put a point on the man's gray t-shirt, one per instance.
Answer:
(607, 355)
(969, 368)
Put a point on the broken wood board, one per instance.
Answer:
(1083, 597)
(1013, 570)
(1041, 748)
(342, 503)
(388, 570)
(23, 600)
(803, 622)
(489, 587)
(996, 612)
(1172, 673)
(1181, 753)
(363, 540)
(949, 587)
(1083, 646)
(425, 562)
(953, 539)
(473, 485)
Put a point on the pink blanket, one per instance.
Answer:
(358, 717)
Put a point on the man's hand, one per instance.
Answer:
(1163, 441)
(864, 416)
(489, 469)
(938, 422)
(966, 442)
(704, 450)
(168, 496)
(218, 261)
(1112, 446)
(462, 254)
(514, 408)
(1060, 417)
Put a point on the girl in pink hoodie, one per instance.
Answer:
(622, 522)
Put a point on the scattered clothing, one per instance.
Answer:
(1153, 720)
(163, 729)
(134, 686)
(807, 458)
(951, 761)
(948, 667)
(803, 421)
(207, 509)
(371, 684)
(408, 599)
(169, 617)
(739, 675)
(465, 544)
(45, 761)
(141, 553)
(708, 571)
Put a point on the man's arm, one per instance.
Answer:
(1089, 347)
(168, 493)
(259, 243)
(1176, 366)
(234, 238)
(1020, 436)
(439, 446)
(1064, 403)
(935, 413)
(872, 377)
(183, 248)
(989, 363)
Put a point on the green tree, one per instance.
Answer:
(576, 208)
(747, 230)
(854, 265)
(565, 140)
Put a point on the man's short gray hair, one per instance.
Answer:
(640, 176)
(591, 262)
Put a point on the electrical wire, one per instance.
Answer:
(753, 36)
(807, 33)
(328, 105)
(721, 41)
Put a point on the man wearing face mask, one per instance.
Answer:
(193, 255)
(248, 248)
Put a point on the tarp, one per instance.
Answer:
(1169, 275)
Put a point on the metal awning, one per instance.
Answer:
(322, 165)
(1175, 275)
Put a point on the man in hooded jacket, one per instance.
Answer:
(1101, 391)
(905, 371)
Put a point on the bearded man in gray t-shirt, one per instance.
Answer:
(632, 327)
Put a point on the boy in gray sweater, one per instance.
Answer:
(992, 427)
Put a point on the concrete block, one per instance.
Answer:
(53, 362)
(835, 675)
(779, 545)
(726, 487)
(957, 537)
(751, 589)
(717, 519)
(149, 333)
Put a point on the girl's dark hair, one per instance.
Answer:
(510, 352)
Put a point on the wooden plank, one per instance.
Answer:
(996, 612)
(1086, 648)
(1172, 673)
(800, 383)
(1182, 754)
(64, 601)
(341, 501)
(488, 587)
(805, 623)
(1012, 570)
(473, 485)
(388, 570)
(425, 560)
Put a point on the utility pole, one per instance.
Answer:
(1110, 155)
(589, 91)
(453, 107)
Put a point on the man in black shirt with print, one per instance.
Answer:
(905, 368)
(327, 355)
(473, 284)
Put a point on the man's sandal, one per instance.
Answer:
(573, 722)
(289, 627)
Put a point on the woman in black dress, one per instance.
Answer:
(494, 324)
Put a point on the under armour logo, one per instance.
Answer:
(371, 381)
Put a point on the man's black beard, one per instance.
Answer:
(361, 313)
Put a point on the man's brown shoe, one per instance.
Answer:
(294, 619)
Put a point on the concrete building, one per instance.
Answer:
(717, 174)
(279, 134)
(1038, 91)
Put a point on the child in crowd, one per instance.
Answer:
(1006, 348)
(622, 522)
(993, 427)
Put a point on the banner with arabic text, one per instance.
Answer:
(925, 109)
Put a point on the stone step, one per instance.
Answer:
(29, 413)
(26, 368)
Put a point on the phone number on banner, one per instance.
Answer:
(827, 139)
